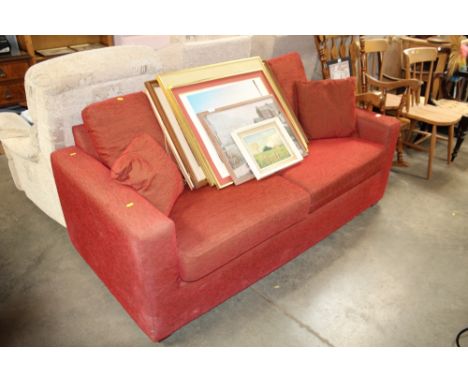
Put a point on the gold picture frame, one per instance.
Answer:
(188, 90)
(188, 165)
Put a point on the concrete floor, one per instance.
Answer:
(397, 275)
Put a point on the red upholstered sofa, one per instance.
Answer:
(168, 270)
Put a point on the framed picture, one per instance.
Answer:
(267, 147)
(220, 123)
(195, 91)
(88, 46)
(55, 51)
(340, 68)
(188, 165)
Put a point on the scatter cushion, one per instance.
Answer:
(334, 166)
(145, 166)
(326, 108)
(288, 69)
(214, 227)
(113, 123)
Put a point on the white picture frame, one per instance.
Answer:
(266, 147)
(339, 69)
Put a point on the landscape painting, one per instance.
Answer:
(221, 122)
(266, 147)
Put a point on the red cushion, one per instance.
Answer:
(327, 108)
(146, 167)
(334, 166)
(288, 69)
(83, 141)
(216, 226)
(113, 123)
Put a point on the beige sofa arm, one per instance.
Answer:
(13, 126)
(18, 136)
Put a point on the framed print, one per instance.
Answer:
(267, 147)
(340, 68)
(88, 46)
(55, 51)
(221, 122)
(192, 92)
(188, 165)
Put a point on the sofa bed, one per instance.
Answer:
(167, 268)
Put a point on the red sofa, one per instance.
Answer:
(168, 270)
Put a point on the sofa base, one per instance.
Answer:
(189, 300)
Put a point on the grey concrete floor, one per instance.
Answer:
(397, 275)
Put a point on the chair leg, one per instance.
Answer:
(451, 134)
(431, 151)
(400, 162)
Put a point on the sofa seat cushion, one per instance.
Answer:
(215, 226)
(334, 166)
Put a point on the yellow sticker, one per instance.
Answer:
(72, 154)
(120, 98)
(129, 205)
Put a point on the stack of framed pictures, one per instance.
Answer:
(226, 123)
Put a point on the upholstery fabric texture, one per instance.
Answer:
(112, 124)
(137, 252)
(147, 168)
(334, 166)
(288, 69)
(83, 141)
(326, 108)
(13, 126)
(215, 226)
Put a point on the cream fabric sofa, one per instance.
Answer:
(58, 89)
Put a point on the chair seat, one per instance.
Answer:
(392, 101)
(215, 226)
(456, 106)
(433, 115)
(334, 166)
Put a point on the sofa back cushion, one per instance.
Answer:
(145, 166)
(287, 70)
(326, 108)
(112, 124)
(83, 141)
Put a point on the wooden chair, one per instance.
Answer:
(443, 51)
(455, 101)
(384, 91)
(419, 111)
(371, 63)
(331, 47)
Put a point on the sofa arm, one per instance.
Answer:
(378, 128)
(129, 244)
(13, 126)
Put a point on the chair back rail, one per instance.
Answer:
(334, 47)
(415, 58)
